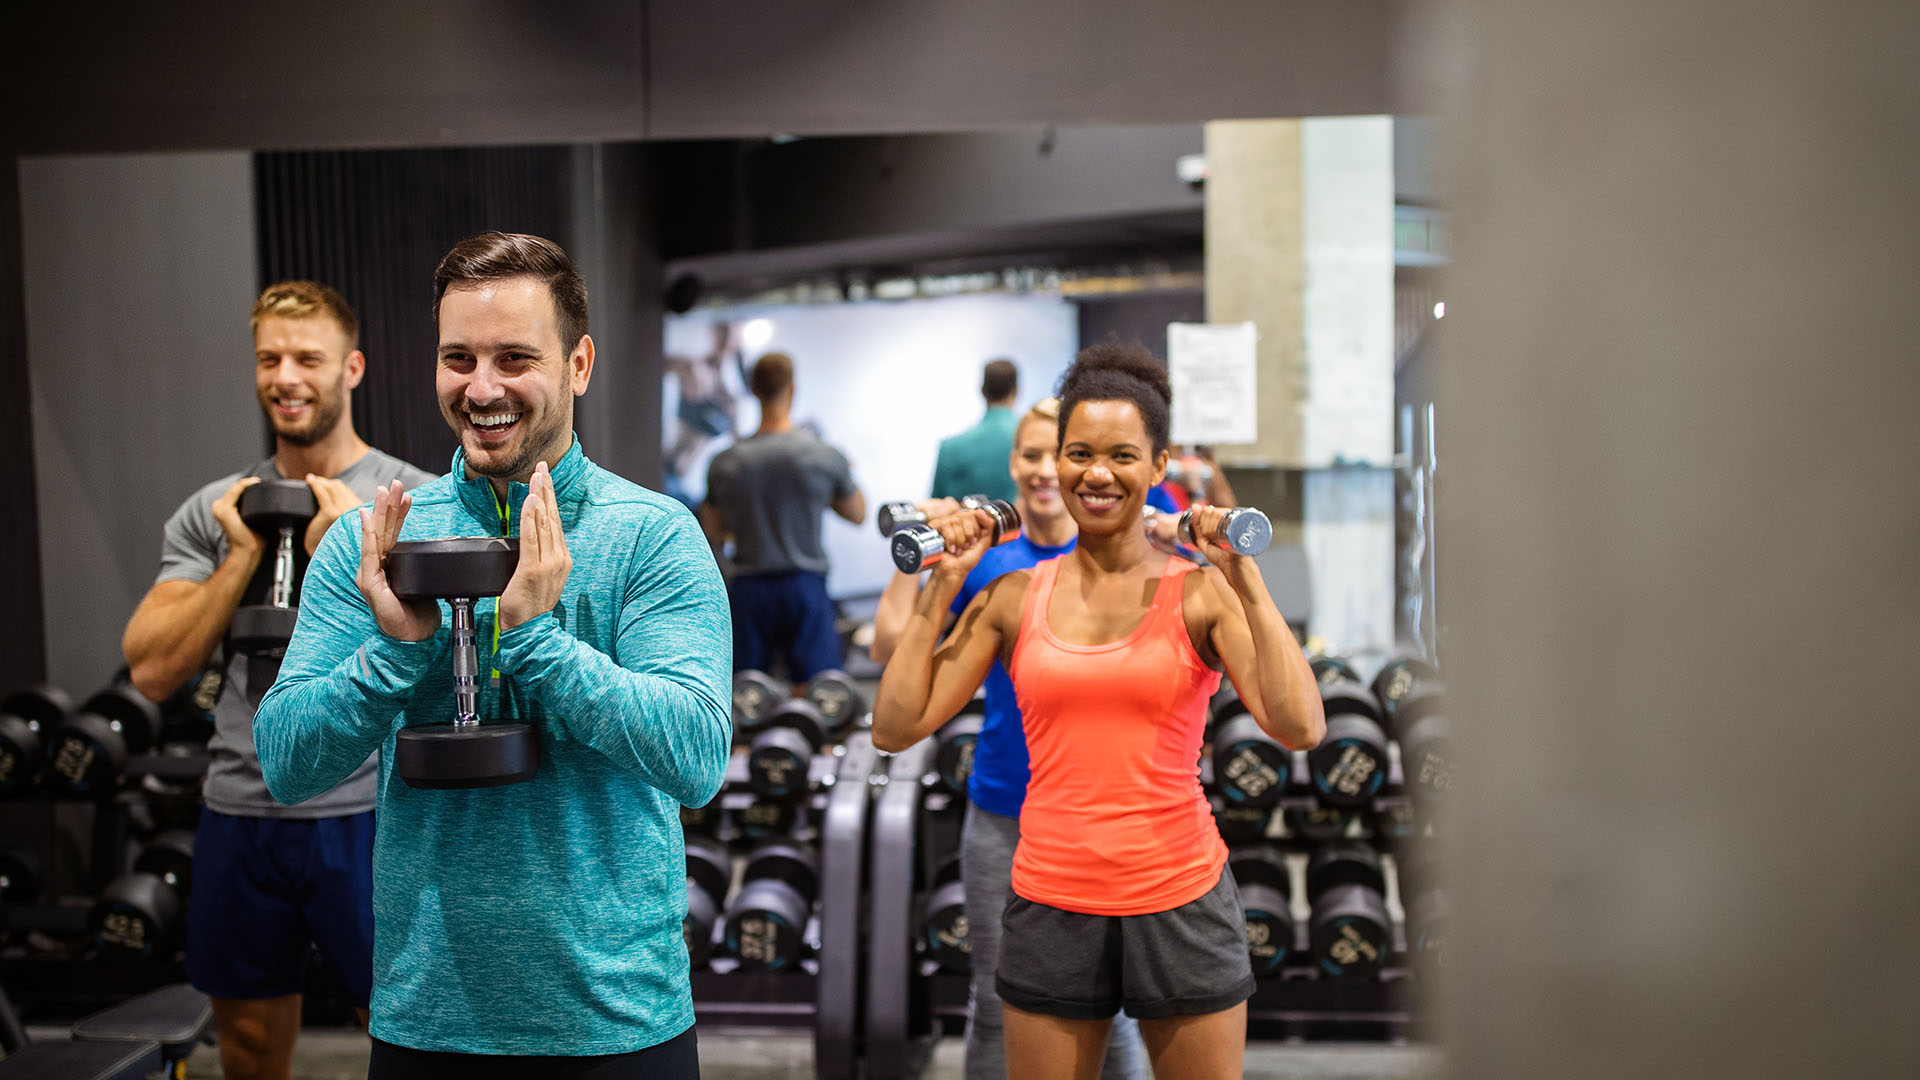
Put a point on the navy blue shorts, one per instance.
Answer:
(267, 891)
(785, 615)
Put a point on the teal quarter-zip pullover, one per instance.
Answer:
(541, 917)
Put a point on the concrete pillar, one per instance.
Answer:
(1680, 539)
(1299, 240)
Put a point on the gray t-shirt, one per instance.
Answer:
(192, 547)
(772, 490)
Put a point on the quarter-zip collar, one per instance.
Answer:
(476, 492)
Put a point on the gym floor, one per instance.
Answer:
(326, 1054)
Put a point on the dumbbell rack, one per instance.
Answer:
(825, 994)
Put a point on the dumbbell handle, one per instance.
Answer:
(1246, 530)
(282, 595)
(920, 547)
(466, 666)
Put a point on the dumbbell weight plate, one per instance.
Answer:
(838, 699)
(1344, 863)
(1427, 931)
(701, 820)
(703, 910)
(261, 628)
(1328, 669)
(755, 695)
(953, 751)
(781, 757)
(169, 857)
(485, 755)
(23, 877)
(42, 705)
(1350, 932)
(469, 567)
(128, 710)
(1349, 767)
(945, 927)
(138, 914)
(1249, 767)
(1240, 824)
(271, 504)
(85, 755)
(767, 920)
(1400, 675)
(894, 516)
(710, 867)
(1318, 824)
(21, 753)
(1425, 758)
(765, 819)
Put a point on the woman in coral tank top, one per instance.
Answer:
(1121, 900)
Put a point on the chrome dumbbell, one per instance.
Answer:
(918, 546)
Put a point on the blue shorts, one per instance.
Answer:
(786, 615)
(267, 891)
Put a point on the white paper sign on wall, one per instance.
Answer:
(1212, 370)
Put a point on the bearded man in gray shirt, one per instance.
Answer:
(270, 882)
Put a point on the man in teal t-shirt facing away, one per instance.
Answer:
(974, 462)
(537, 919)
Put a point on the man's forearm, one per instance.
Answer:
(167, 641)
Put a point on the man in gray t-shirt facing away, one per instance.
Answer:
(768, 491)
(270, 882)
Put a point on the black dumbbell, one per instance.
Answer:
(1318, 823)
(278, 510)
(1329, 669)
(1425, 900)
(767, 819)
(1394, 821)
(1246, 530)
(1240, 824)
(919, 547)
(87, 751)
(1250, 768)
(953, 747)
(755, 695)
(463, 753)
(1349, 766)
(709, 873)
(780, 761)
(144, 912)
(1425, 755)
(1350, 933)
(767, 920)
(1266, 888)
(26, 716)
(1399, 676)
(944, 925)
(840, 702)
(23, 877)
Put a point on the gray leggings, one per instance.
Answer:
(986, 864)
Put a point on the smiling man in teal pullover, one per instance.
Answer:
(538, 919)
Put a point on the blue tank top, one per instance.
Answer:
(999, 783)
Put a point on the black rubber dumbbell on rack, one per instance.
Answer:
(839, 700)
(780, 760)
(1426, 758)
(1250, 768)
(767, 819)
(1351, 933)
(709, 874)
(144, 913)
(1240, 824)
(463, 752)
(1349, 767)
(943, 924)
(1425, 899)
(1266, 891)
(279, 510)
(87, 751)
(1331, 669)
(755, 695)
(953, 747)
(1318, 824)
(26, 718)
(919, 546)
(1396, 679)
(767, 919)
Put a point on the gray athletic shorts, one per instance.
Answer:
(1189, 961)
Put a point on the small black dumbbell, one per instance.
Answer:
(780, 761)
(1351, 931)
(144, 912)
(1240, 824)
(88, 750)
(1319, 823)
(1266, 888)
(953, 747)
(840, 702)
(767, 819)
(1331, 669)
(767, 920)
(1399, 676)
(755, 695)
(1250, 768)
(944, 925)
(709, 873)
(278, 510)
(1349, 766)
(26, 716)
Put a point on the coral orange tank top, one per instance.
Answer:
(1115, 822)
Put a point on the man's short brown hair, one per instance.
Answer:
(495, 256)
(772, 374)
(306, 300)
(1000, 380)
